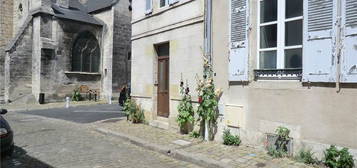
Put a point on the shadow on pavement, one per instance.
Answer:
(20, 158)
(85, 114)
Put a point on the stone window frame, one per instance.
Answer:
(80, 35)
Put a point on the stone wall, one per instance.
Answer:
(121, 46)
(60, 81)
(6, 23)
(20, 67)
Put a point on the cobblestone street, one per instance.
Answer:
(49, 142)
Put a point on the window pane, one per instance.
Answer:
(294, 8)
(95, 59)
(163, 75)
(162, 3)
(268, 10)
(267, 60)
(293, 33)
(268, 36)
(293, 58)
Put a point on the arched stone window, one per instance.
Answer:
(86, 53)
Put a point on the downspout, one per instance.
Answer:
(338, 45)
(208, 30)
(208, 45)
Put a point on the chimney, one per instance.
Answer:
(63, 3)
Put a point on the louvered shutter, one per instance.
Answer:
(148, 7)
(349, 54)
(173, 1)
(238, 57)
(318, 47)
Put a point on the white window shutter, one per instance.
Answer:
(239, 27)
(171, 2)
(349, 54)
(148, 7)
(318, 44)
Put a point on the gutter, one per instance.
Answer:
(208, 30)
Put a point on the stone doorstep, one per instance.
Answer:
(176, 153)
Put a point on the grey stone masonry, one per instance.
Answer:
(6, 23)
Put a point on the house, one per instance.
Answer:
(288, 63)
(167, 47)
(279, 63)
(56, 46)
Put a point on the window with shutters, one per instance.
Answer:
(280, 37)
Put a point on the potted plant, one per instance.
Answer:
(280, 144)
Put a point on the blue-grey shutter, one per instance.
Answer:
(238, 57)
(148, 7)
(318, 44)
(349, 54)
(173, 1)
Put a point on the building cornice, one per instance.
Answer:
(161, 11)
(180, 24)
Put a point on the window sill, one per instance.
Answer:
(82, 73)
(277, 74)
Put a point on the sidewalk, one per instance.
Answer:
(182, 147)
(26, 107)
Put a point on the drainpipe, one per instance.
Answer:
(338, 45)
(208, 45)
(208, 30)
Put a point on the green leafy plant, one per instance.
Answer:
(133, 111)
(280, 148)
(208, 98)
(335, 158)
(185, 109)
(306, 156)
(275, 153)
(229, 139)
(346, 159)
(194, 134)
(76, 96)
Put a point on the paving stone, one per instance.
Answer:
(181, 142)
(66, 144)
(242, 156)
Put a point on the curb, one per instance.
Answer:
(178, 154)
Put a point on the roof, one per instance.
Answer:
(95, 5)
(80, 12)
(77, 15)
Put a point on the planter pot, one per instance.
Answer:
(186, 128)
(272, 140)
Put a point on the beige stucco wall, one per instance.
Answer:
(182, 26)
(317, 115)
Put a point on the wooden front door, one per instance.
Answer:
(163, 102)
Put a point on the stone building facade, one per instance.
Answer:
(314, 95)
(58, 46)
(6, 29)
(276, 63)
(167, 47)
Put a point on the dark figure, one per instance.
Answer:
(122, 96)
